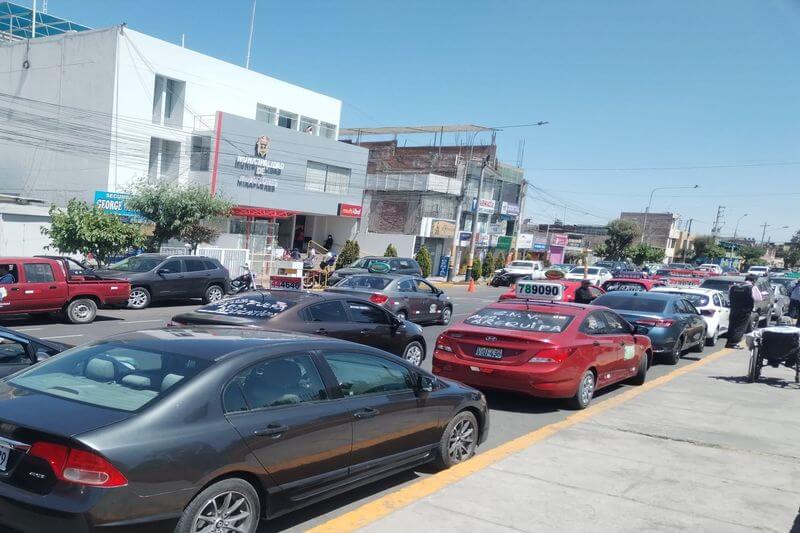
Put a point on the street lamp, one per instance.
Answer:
(647, 211)
(764, 230)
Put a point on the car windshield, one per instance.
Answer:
(261, 308)
(364, 282)
(520, 320)
(717, 284)
(519, 264)
(579, 270)
(628, 286)
(789, 283)
(631, 303)
(110, 374)
(366, 262)
(136, 264)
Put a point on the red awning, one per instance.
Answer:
(261, 212)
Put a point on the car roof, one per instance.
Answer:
(688, 290)
(726, 278)
(541, 306)
(387, 275)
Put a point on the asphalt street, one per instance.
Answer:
(511, 415)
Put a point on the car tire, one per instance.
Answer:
(459, 441)
(81, 311)
(446, 316)
(414, 353)
(585, 393)
(139, 298)
(712, 341)
(674, 356)
(701, 344)
(213, 293)
(641, 374)
(402, 315)
(212, 504)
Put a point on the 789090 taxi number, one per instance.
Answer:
(539, 290)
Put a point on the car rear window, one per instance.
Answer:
(520, 320)
(111, 375)
(697, 300)
(631, 303)
(717, 284)
(627, 286)
(364, 282)
(262, 308)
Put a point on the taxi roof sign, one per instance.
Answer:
(540, 290)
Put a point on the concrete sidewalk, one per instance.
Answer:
(705, 451)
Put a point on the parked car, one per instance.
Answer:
(569, 290)
(408, 297)
(155, 277)
(515, 270)
(781, 297)
(787, 282)
(597, 275)
(562, 267)
(181, 429)
(712, 268)
(19, 351)
(615, 266)
(670, 320)
(630, 285)
(758, 270)
(548, 350)
(763, 309)
(681, 266)
(397, 265)
(43, 285)
(341, 316)
(714, 305)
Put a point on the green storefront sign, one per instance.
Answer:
(504, 243)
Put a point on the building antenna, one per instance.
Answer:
(250, 37)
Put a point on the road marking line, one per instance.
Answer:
(28, 329)
(61, 337)
(386, 505)
(164, 321)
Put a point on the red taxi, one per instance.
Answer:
(675, 277)
(570, 287)
(546, 349)
(630, 284)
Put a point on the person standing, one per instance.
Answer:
(6, 277)
(743, 297)
(794, 301)
(583, 295)
(328, 243)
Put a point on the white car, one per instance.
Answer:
(535, 269)
(758, 270)
(711, 267)
(596, 275)
(712, 304)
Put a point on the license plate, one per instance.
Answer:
(4, 453)
(489, 353)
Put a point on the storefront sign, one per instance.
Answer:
(504, 242)
(437, 228)
(114, 203)
(483, 240)
(525, 241)
(507, 208)
(286, 282)
(260, 166)
(444, 266)
(559, 239)
(539, 247)
(350, 210)
(464, 237)
(485, 205)
(498, 228)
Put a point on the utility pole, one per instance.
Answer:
(475, 210)
(250, 37)
(718, 222)
(33, 20)
(764, 227)
(523, 191)
(686, 241)
(459, 207)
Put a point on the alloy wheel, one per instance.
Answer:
(413, 354)
(446, 315)
(587, 388)
(137, 298)
(461, 441)
(81, 312)
(402, 315)
(228, 512)
(214, 293)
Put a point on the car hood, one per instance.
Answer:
(51, 414)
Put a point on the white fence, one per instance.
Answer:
(231, 258)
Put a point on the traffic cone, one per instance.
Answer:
(471, 287)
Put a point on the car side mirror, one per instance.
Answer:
(41, 355)
(426, 383)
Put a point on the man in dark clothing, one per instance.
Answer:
(583, 295)
(328, 243)
(743, 298)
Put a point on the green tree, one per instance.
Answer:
(500, 259)
(197, 234)
(173, 208)
(424, 260)
(644, 253)
(477, 269)
(84, 229)
(706, 248)
(488, 265)
(391, 251)
(751, 255)
(791, 259)
(350, 252)
(621, 234)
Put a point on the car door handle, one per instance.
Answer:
(321, 331)
(596, 343)
(364, 331)
(368, 412)
(52, 287)
(14, 288)
(272, 430)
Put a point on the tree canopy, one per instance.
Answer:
(621, 235)
(706, 248)
(644, 253)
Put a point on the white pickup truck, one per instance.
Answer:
(516, 269)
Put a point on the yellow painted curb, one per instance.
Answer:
(385, 505)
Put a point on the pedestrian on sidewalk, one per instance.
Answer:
(794, 301)
(743, 297)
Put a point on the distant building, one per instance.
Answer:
(663, 230)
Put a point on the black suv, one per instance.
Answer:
(165, 277)
(397, 265)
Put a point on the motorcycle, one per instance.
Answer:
(243, 283)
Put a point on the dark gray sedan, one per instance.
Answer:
(409, 297)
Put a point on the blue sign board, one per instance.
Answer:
(539, 246)
(114, 203)
(444, 266)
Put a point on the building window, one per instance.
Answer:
(309, 125)
(287, 120)
(327, 178)
(201, 152)
(164, 159)
(265, 113)
(327, 130)
(168, 101)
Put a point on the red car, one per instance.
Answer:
(569, 290)
(630, 285)
(543, 349)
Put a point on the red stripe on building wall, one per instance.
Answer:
(216, 153)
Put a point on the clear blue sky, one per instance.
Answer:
(631, 88)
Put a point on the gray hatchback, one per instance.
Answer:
(409, 297)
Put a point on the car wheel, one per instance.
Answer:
(414, 353)
(447, 315)
(214, 293)
(701, 343)
(81, 311)
(641, 375)
(139, 298)
(712, 341)
(402, 315)
(675, 354)
(227, 506)
(585, 393)
(458, 442)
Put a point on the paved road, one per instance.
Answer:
(511, 415)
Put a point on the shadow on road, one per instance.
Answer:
(778, 383)
(48, 320)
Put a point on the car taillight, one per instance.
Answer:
(551, 355)
(656, 323)
(78, 466)
(378, 298)
(442, 343)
